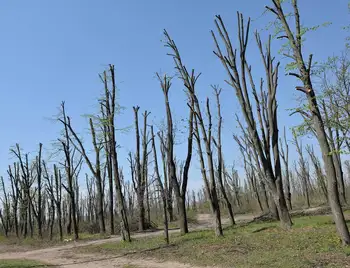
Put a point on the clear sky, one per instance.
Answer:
(53, 51)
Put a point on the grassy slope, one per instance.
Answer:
(21, 264)
(312, 242)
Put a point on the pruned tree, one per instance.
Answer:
(109, 104)
(209, 183)
(319, 174)
(302, 170)
(285, 157)
(70, 166)
(250, 169)
(160, 187)
(94, 168)
(109, 168)
(220, 165)
(25, 185)
(14, 177)
(179, 188)
(168, 186)
(189, 80)
(268, 141)
(38, 210)
(139, 170)
(55, 201)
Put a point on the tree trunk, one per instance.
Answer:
(305, 72)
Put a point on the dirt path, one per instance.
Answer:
(63, 256)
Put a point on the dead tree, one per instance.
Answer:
(285, 157)
(189, 81)
(50, 190)
(38, 211)
(139, 186)
(70, 168)
(15, 196)
(140, 169)
(109, 168)
(220, 167)
(167, 181)
(109, 104)
(94, 168)
(25, 185)
(210, 184)
(239, 83)
(5, 213)
(250, 169)
(304, 173)
(161, 188)
(179, 189)
(320, 177)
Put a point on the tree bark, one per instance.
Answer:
(304, 76)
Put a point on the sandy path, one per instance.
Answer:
(63, 256)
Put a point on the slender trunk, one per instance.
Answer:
(162, 189)
(125, 232)
(220, 168)
(110, 203)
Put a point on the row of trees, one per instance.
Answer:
(41, 196)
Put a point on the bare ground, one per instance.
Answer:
(63, 256)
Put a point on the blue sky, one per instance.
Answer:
(53, 51)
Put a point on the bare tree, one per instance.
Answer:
(304, 174)
(250, 169)
(161, 188)
(109, 103)
(189, 81)
(179, 189)
(109, 168)
(70, 168)
(38, 211)
(25, 189)
(220, 167)
(319, 174)
(285, 157)
(139, 183)
(5, 213)
(269, 140)
(168, 186)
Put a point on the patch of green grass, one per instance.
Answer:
(13, 243)
(312, 242)
(22, 264)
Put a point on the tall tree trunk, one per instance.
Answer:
(295, 42)
(110, 112)
(169, 147)
(220, 168)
